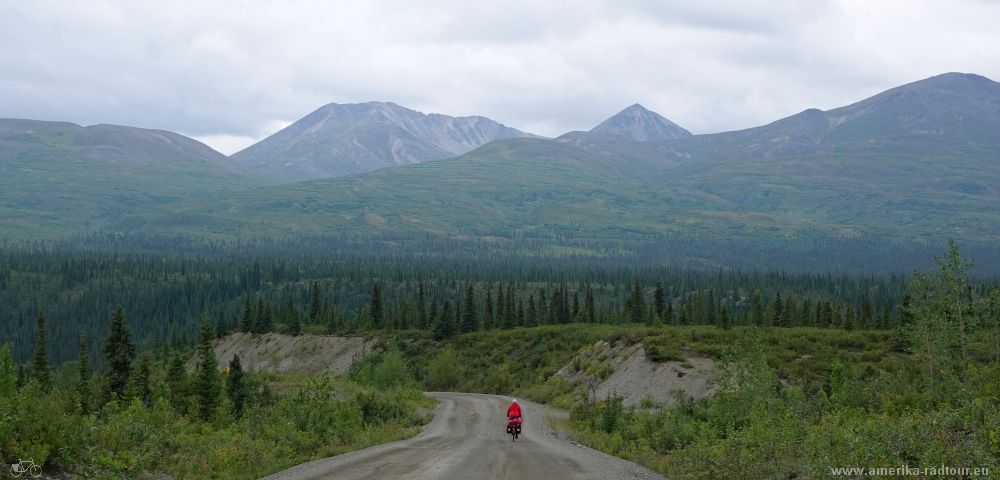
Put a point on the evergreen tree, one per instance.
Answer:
(445, 328)
(520, 320)
(470, 322)
(725, 321)
(221, 328)
(422, 321)
(143, 386)
(757, 309)
(588, 302)
(40, 365)
(531, 315)
(712, 314)
(659, 300)
(8, 371)
(777, 311)
(433, 315)
(509, 312)
(236, 388)
(375, 306)
(488, 310)
(315, 303)
(636, 304)
(248, 321)
(119, 351)
(83, 383)
(207, 385)
(264, 317)
(698, 309)
(176, 372)
(292, 319)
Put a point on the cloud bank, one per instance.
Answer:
(230, 73)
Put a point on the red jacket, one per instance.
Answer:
(514, 410)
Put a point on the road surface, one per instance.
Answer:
(467, 440)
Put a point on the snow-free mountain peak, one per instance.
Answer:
(642, 125)
(344, 139)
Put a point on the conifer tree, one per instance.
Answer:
(207, 386)
(589, 306)
(315, 303)
(143, 387)
(375, 307)
(236, 388)
(659, 300)
(777, 311)
(519, 319)
(469, 319)
(8, 371)
(221, 328)
(757, 309)
(531, 314)
(292, 319)
(445, 328)
(433, 314)
(40, 364)
(119, 351)
(248, 321)
(422, 320)
(83, 382)
(725, 321)
(636, 304)
(711, 316)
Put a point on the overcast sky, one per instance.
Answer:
(232, 72)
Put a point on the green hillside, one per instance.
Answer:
(60, 178)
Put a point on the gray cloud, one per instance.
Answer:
(232, 72)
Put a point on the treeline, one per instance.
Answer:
(166, 295)
(501, 306)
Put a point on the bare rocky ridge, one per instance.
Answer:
(624, 371)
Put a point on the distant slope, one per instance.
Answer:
(58, 177)
(916, 162)
(338, 140)
(952, 113)
(906, 163)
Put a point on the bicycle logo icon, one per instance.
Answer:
(28, 468)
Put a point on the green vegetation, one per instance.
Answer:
(152, 418)
(819, 370)
(935, 403)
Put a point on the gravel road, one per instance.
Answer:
(467, 440)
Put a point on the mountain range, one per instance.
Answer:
(918, 161)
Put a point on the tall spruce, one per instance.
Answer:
(422, 321)
(8, 371)
(40, 364)
(470, 322)
(636, 303)
(660, 300)
(119, 352)
(236, 388)
(83, 381)
(588, 302)
(375, 306)
(207, 385)
(143, 383)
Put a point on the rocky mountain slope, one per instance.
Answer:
(345, 139)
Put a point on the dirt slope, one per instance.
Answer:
(625, 371)
(297, 355)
